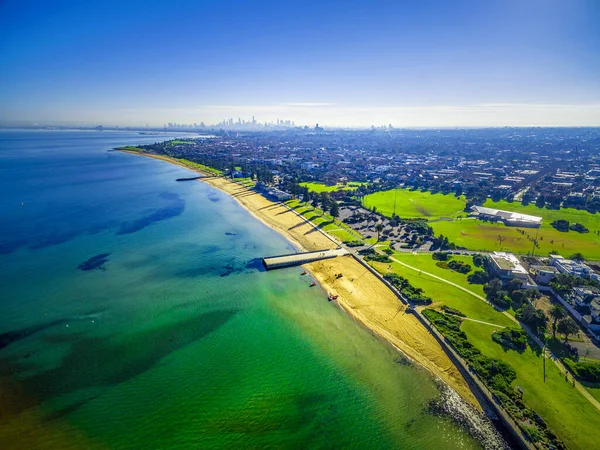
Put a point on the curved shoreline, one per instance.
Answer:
(360, 293)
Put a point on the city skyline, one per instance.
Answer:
(336, 64)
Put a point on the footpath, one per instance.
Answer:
(532, 335)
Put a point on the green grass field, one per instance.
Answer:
(415, 204)
(199, 166)
(443, 292)
(565, 410)
(477, 235)
(325, 221)
(320, 187)
(594, 390)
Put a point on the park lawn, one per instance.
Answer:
(443, 293)
(415, 204)
(373, 240)
(180, 142)
(194, 165)
(591, 221)
(568, 414)
(554, 399)
(247, 181)
(425, 262)
(479, 235)
(321, 187)
(594, 389)
(131, 148)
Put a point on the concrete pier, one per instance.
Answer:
(297, 259)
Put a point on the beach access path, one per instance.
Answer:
(532, 335)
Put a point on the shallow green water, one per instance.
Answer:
(182, 340)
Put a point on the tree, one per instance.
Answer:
(478, 260)
(540, 202)
(514, 285)
(492, 287)
(478, 277)
(335, 209)
(577, 257)
(379, 228)
(557, 313)
(517, 297)
(567, 326)
(535, 318)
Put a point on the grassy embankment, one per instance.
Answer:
(198, 166)
(320, 187)
(415, 204)
(325, 221)
(566, 411)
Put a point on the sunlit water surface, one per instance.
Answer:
(177, 338)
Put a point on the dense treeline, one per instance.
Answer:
(412, 293)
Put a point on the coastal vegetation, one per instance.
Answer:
(198, 166)
(131, 148)
(326, 222)
(414, 204)
(412, 293)
(497, 375)
(560, 406)
(584, 371)
(371, 255)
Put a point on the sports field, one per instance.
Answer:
(415, 204)
(478, 235)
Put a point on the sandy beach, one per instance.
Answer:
(361, 294)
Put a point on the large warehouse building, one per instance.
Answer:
(509, 218)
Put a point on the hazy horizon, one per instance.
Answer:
(338, 64)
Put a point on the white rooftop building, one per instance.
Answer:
(508, 217)
(508, 266)
(571, 267)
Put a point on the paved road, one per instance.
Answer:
(556, 361)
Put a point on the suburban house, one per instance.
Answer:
(593, 320)
(571, 267)
(543, 274)
(584, 295)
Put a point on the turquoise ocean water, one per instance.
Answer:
(175, 337)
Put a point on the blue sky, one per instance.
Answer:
(343, 63)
